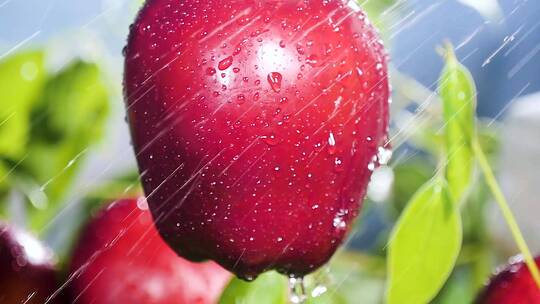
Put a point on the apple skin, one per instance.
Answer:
(27, 268)
(511, 285)
(256, 125)
(120, 258)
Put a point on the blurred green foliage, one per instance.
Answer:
(22, 78)
(49, 121)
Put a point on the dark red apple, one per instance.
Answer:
(511, 285)
(256, 125)
(27, 272)
(120, 258)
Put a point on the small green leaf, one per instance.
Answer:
(21, 80)
(268, 288)
(458, 95)
(424, 246)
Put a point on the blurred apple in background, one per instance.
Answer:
(120, 258)
(512, 284)
(27, 273)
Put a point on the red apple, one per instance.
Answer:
(256, 126)
(27, 273)
(511, 285)
(120, 258)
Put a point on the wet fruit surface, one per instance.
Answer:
(120, 258)
(256, 125)
(27, 273)
(512, 285)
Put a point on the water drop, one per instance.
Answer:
(282, 43)
(297, 290)
(240, 99)
(210, 71)
(318, 291)
(300, 49)
(236, 70)
(338, 164)
(274, 79)
(339, 222)
(313, 60)
(225, 63)
(270, 139)
(384, 155)
(371, 166)
(331, 143)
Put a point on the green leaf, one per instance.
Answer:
(424, 246)
(268, 288)
(458, 95)
(67, 120)
(21, 80)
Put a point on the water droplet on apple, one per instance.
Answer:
(225, 63)
(313, 60)
(300, 49)
(270, 139)
(274, 79)
(331, 144)
(384, 155)
(240, 99)
(338, 164)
